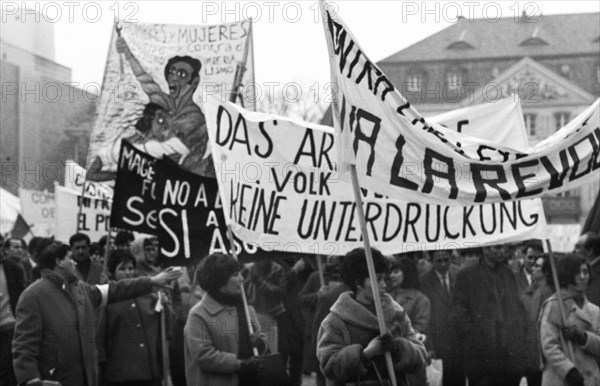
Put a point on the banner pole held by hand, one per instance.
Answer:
(371, 267)
(244, 300)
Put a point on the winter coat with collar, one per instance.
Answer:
(440, 331)
(491, 322)
(132, 340)
(349, 328)
(556, 363)
(211, 337)
(55, 332)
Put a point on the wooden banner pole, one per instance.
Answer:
(561, 307)
(371, 268)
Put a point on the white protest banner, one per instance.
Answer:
(38, 210)
(75, 177)
(279, 189)
(498, 122)
(395, 149)
(93, 219)
(155, 82)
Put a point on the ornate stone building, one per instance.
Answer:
(551, 64)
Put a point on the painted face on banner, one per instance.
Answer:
(179, 78)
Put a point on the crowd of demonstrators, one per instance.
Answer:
(55, 330)
(490, 314)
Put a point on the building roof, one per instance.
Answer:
(480, 38)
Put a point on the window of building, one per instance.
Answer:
(453, 79)
(561, 119)
(530, 123)
(413, 82)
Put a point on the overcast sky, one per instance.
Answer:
(289, 41)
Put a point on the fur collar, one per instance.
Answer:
(350, 311)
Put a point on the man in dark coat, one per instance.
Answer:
(492, 322)
(12, 284)
(438, 284)
(55, 331)
(588, 246)
(89, 271)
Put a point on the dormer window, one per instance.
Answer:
(464, 42)
(534, 39)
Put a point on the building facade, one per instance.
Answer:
(44, 120)
(550, 64)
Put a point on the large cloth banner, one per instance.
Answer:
(135, 205)
(183, 209)
(155, 81)
(397, 150)
(38, 210)
(93, 220)
(75, 177)
(279, 188)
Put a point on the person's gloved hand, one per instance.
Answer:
(250, 367)
(387, 343)
(574, 378)
(574, 334)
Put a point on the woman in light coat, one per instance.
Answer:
(581, 329)
(218, 345)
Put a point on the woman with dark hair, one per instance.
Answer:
(580, 329)
(404, 288)
(131, 332)
(541, 277)
(218, 345)
(97, 253)
(350, 347)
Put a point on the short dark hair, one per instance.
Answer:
(536, 246)
(568, 266)
(77, 237)
(409, 272)
(123, 237)
(50, 252)
(193, 62)
(592, 242)
(215, 270)
(354, 266)
(149, 241)
(118, 257)
(9, 239)
(96, 248)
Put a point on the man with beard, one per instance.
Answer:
(186, 120)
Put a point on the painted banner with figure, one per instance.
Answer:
(155, 81)
(75, 177)
(279, 186)
(396, 149)
(38, 209)
(93, 219)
